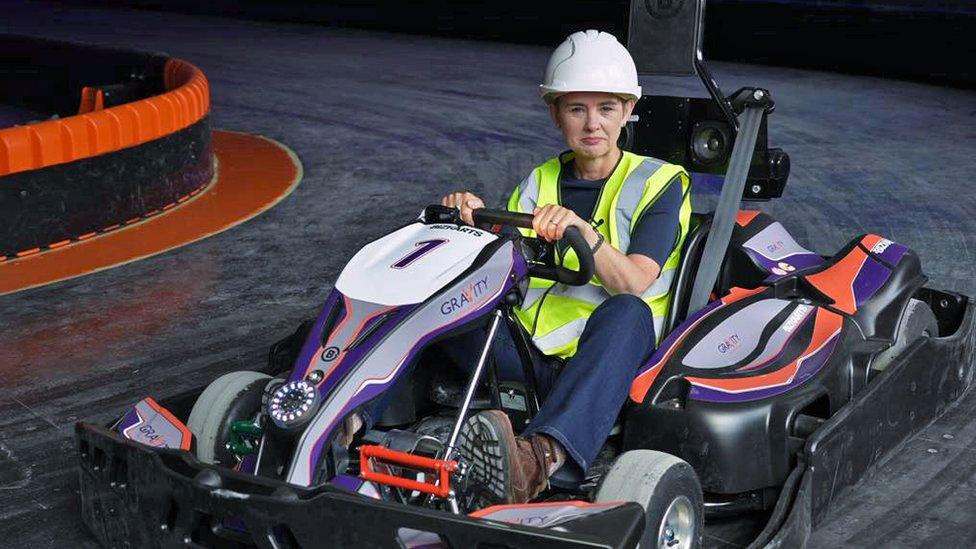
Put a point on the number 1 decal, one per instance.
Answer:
(422, 248)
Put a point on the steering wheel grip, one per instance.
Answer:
(572, 236)
(587, 266)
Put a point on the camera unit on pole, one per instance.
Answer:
(665, 38)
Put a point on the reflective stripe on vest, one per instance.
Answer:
(528, 193)
(555, 314)
(629, 196)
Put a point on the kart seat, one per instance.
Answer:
(757, 249)
(693, 248)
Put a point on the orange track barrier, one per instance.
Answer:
(92, 99)
(253, 174)
(186, 102)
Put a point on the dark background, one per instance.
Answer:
(929, 42)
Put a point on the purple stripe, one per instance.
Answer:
(423, 248)
(869, 280)
(804, 260)
(131, 418)
(808, 368)
(373, 391)
(312, 343)
(248, 464)
(347, 482)
(893, 253)
(519, 267)
(799, 260)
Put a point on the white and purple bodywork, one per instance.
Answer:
(392, 298)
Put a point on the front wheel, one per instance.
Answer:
(229, 398)
(669, 491)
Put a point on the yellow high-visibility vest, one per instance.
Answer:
(635, 184)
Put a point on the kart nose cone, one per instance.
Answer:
(293, 404)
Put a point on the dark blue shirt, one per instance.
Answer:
(657, 227)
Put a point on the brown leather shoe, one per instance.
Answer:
(512, 469)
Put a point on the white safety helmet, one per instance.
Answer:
(590, 61)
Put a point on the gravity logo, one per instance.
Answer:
(145, 433)
(730, 343)
(772, 247)
(475, 290)
(151, 437)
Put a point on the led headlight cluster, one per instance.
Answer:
(293, 403)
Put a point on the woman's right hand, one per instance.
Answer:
(464, 201)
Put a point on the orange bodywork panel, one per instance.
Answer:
(744, 217)
(92, 99)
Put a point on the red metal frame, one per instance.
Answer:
(440, 487)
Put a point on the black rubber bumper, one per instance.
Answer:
(64, 201)
(136, 496)
(911, 393)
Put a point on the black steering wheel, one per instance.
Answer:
(572, 236)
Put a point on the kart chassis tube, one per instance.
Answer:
(442, 468)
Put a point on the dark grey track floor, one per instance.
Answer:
(386, 123)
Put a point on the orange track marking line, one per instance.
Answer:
(86, 236)
(59, 244)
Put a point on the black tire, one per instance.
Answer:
(227, 399)
(667, 488)
(917, 321)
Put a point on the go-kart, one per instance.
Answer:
(733, 412)
(782, 378)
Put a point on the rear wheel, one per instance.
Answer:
(669, 491)
(917, 321)
(229, 398)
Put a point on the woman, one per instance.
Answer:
(634, 213)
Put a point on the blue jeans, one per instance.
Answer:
(581, 400)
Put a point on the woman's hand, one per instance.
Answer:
(550, 223)
(464, 201)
